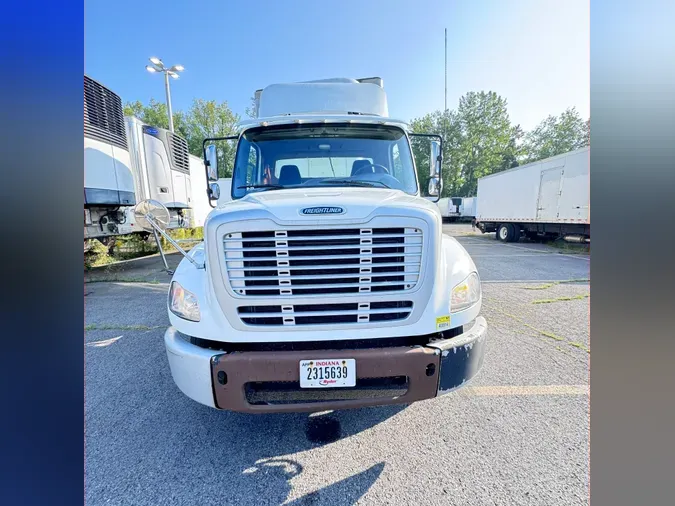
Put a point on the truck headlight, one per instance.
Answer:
(183, 303)
(465, 294)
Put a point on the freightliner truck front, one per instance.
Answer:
(326, 282)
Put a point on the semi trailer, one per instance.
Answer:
(161, 168)
(108, 175)
(467, 208)
(547, 199)
(325, 281)
(457, 208)
(127, 161)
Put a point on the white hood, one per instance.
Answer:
(357, 204)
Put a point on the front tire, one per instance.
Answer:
(503, 232)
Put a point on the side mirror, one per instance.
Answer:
(435, 159)
(434, 187)
(214, 191)
(211, 162)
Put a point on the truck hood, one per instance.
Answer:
(335, 204)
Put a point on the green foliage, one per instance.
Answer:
(478, 139)
(556, 135)
(250, 110)
(96, 254)
(208, 118)
(486, 138)
(204, 119)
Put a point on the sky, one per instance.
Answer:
(534, 53)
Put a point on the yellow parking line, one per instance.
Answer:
(503, 390)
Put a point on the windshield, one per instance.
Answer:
(293, 156)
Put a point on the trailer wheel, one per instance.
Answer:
(514, 233)
(504, 232)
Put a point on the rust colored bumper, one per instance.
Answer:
(264, 382)
(269, 381)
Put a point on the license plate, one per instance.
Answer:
(327, 373)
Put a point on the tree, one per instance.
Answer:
(487, 138)
(207, 119)
(204, 119)
(516, 150)
(250, 111)
(557, 134)
(446, 125)
(155, 114)
(478, 139)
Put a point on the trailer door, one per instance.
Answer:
(549, 193)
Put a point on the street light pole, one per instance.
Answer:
(158, 66)
(168, 100)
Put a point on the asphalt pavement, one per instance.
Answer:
(519, 434)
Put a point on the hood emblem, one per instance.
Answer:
(322, 210)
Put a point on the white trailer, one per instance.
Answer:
(467, 209)
(108, 177)
(161, 169)
(444, 206)
(457, 208)
(548, 198)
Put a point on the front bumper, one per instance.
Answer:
(268, 381)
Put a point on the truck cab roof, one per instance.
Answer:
(319, 118)
(336, 99)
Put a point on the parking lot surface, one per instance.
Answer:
(519, 434)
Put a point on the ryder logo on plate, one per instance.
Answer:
(322, 210)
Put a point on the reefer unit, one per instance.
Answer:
(161, 163)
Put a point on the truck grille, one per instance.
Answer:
(323, 262)
(318, 314)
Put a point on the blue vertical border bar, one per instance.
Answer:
(42, 354)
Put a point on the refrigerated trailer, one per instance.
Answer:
(545, 199)
(161, 169)
(126, 161)
(457, 208)
(108, 176)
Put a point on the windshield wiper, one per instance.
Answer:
(353, 182)
(246, 186)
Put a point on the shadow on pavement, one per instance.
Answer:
(146, 443)
(265, 444)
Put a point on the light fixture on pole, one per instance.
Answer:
(158, 66)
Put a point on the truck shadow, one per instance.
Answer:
(146, 443)
(264, 446)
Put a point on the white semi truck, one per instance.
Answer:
(545, 199)
(326, 281)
